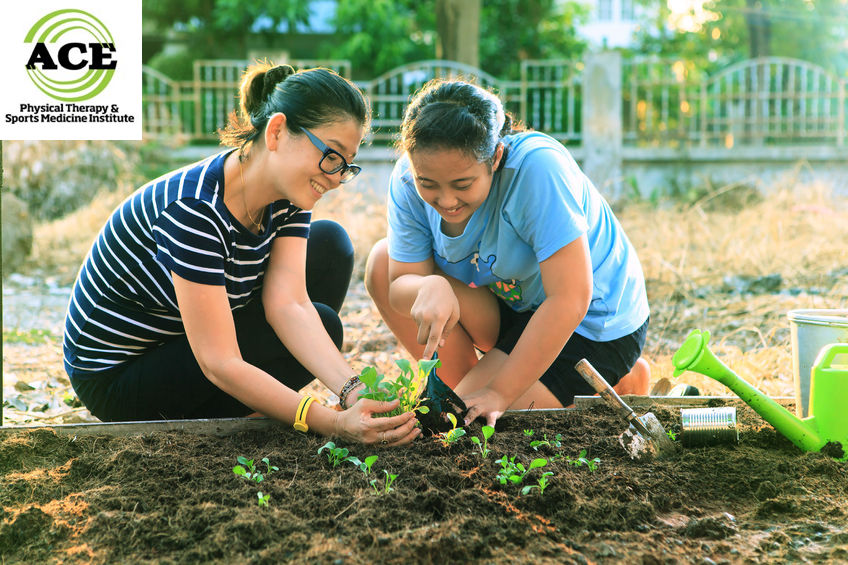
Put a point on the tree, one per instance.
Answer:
(393, 33)
(212, 25)
(458, 24)
(813, 30)
(515, 30)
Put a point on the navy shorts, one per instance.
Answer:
(613, 359)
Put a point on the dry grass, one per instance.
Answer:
(687, 251)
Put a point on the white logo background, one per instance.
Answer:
(37, 116)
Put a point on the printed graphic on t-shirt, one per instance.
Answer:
(508, 291)
(477, 272)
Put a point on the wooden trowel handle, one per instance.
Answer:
(602, 387)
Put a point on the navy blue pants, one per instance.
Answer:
(167, 383)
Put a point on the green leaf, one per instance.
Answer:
(329, 445)
(488, 431)
(527, 489)
(423, 409)
(538, 463)
(244, 461)
(239, 470)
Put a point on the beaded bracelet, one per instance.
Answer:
(351, 384)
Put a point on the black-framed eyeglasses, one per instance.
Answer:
(332, 161)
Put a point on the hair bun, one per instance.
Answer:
(275, 76)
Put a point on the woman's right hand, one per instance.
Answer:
(435, 311)
(358, 424)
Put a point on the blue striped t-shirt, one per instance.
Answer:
(123, 302)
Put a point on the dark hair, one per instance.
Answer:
(455, 115)
(309, 98)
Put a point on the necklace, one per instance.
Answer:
(244, 199)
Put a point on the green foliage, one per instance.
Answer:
(335, 455)
(380, 35)
(175, 66)
(250, 471)
(387, 483)
(528, 433)
(512, 472)
(262, 498)
(739, 30)
(513, 30)
(541, 483)
(452, 434)
(556, 442)
(28, 337)
(483, 445)
(581, 460)
(408, 386)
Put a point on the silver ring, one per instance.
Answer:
(383, 438)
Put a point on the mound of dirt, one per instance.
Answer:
(173, 497)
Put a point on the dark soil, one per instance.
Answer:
(173, 498)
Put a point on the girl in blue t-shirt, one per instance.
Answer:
(209, 293)
(499, 245)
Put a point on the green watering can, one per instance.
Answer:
(827, 424)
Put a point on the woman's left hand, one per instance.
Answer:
(486, 403)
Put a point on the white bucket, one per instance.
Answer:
(810, 331)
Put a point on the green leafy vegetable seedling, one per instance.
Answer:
(528, 433)
(541, 484)
(671, 435)
(248, 470)
(335, 455)
(556, 442)
(484, 444)
(387, 486)
(452, 434)
(262, 498)
(407, 387)
(581, 460)
(512, 472)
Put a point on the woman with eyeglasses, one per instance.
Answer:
(503, 255)
(210, 293)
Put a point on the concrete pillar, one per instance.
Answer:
(602, 123)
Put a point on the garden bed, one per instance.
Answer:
(171, 496)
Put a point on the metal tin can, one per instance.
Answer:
(708, 426)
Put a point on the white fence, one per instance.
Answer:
(665, 103)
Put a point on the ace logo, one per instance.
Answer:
(91, 64)
(72, 69)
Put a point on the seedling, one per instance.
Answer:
(335, 455)
(248, 469)
(387, 486)
(364, 466)
(271, 468)
(513, 472)
(528, 433)
(556, 442)
(407, 387)
(671, 435)
(483, 445)
(452, 434)
(541, 484)
(262, 498)
(581, 460)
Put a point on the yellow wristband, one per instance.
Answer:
(300, 415)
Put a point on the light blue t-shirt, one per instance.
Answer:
(540, 201)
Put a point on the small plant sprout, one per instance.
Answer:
(364, 466)
(671, 435)
(512, 472)
(528, 433)
(452, 434)
(387, 486)
(581, 460)
(407, 387)
(262, 498)
(248, 470)
(335, 455)
(541, 484)
(484, 444)
(271, 468)
(556, 442)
